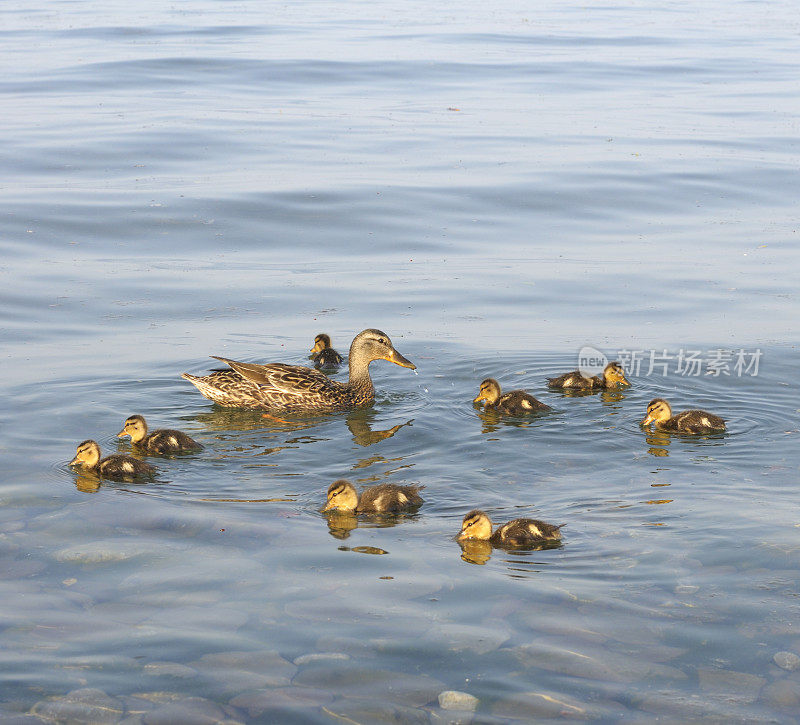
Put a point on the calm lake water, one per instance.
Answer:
(494, 186)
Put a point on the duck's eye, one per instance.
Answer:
(381, 341)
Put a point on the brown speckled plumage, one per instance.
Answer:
(295, 388)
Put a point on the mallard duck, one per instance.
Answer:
(518, 533)
(159, 441)
(116, 467)
(517, 402)
(689, 421)
(323, 355)
(383, 498)
(613, 377)
(294, 388)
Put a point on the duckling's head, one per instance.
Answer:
(135, 427)
(489, 391)
(614, 374)
(87, 456)
(658, 410)
(342, 496)
(321, 342)
(476, 525)
(372, 345)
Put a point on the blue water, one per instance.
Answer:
(495, 187)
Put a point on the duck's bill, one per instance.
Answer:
(74, 462)
(328, 507)
(646, 420)
(479, 399)
(122, 433)
(398, 359)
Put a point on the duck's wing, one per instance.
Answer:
(286, 379)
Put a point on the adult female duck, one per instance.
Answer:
(297, 389)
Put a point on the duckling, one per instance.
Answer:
(690, 421)
(159, 441)
(117, 467)
(517, 402)
(323, 355)
(613, 377)
(383, 498)
(519, 533)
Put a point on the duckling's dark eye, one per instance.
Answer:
(381, 341)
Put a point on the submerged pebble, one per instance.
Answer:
(239, 671)
(786, 660)
(314, 657)
(86, 705)
(272, 704)
(456, 700)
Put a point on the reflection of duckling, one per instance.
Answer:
(689, 421)
(517, 402)
(613, 377)
(475, 551)
(119, 467)
(383, 498)
(159, 441)
(323, 355)
(518, 533)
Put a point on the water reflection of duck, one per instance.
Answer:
(475, 551)
(613, 377)
(118, 467)
(517, 402)
(323, 355)
(341, 523)
(159, 441)
(383, 498)
(294, 388)
(359, 424)
(516, 534)
(689, 421)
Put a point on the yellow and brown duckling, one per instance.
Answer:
(516, 534)
(118, 467)
(383, 498)
(689, 421)
(517, 402)
(613, 377)
(323, 355)
(297, 389)
(159, 441)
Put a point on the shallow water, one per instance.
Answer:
(493, 187)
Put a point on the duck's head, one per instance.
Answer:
(135, 427)
(342, 496)
(372, 345)
(87, 456)
(658, 410)
(614, 374)
(321, 342)
(476, 525)
(489, 391)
